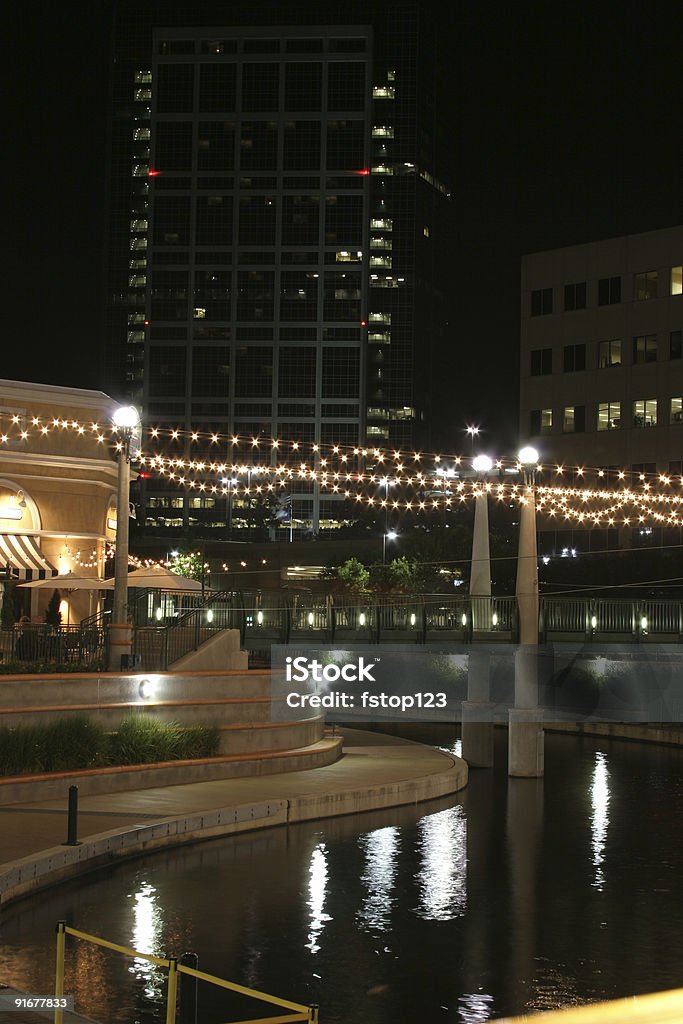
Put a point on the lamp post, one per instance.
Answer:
(386, 484)
(125, 421)
(477, 711)
(229, 482)
(387, 535)
(472, 432)
(525, 747)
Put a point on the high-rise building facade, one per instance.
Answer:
(277, 230)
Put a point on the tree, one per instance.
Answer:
(353, 575)
(53, 616)
(7, 613)
(190, 565)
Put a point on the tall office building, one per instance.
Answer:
(278, 230)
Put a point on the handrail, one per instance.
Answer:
(302, 1012)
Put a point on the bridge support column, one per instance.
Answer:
(477, 734)
(477, 711)
(525, 743)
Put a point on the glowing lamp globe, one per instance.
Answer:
(528, 456)
(482, 463)
(126, 417)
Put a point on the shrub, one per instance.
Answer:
(69, 744)
(141, 739)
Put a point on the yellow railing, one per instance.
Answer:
(301, 1012)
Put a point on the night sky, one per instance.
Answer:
(567, 127)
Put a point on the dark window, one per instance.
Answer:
(341, 373)
(258, 146)
(302, 146)
(300, 221)
(541, 361)
(609, 291)
(217, 88)
(645, 349)
(260, 86)
(210, 370)
(304, 45)
(342, 296)
(261, 45)
(214, 220)
(174, 88)
(609, 353)
(255, 295)
(168, 295)
(218, 46)
(171, 220)
(257, 220)
(345, 145)
(216, 145)
(344, 221)
(297, 372)
(574, 358)
(676, 345)
(176, 46)
(167, 371)
(541, 301)
(212, 295)
(299, 295)
(346, 86)
(254, 371)
(303, 86)
(575, 296)
(355, 45)
(173, 146)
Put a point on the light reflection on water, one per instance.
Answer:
(317, 887)
(147, 937)
(442, 879)
(514, 895)
(600, 816)
(381, 850)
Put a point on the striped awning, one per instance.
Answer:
(21, 555)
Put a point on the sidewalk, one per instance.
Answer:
(375, 771)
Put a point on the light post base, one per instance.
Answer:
(120, 644)
(477, 733)
(525, 743)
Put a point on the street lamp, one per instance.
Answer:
(472, 432)
(386, 484)
(229, 482)
(391, 535)
(525, 736)
(125, 421)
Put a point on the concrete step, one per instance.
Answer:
(28, 789)
(112, 688)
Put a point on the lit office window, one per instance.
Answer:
(609, 415)
(609, 353)
(676, 410)
(677, 280)
(645, 412)
(574, 419)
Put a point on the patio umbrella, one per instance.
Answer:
(70, 582)
(158, 577)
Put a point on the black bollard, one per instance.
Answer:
(188, 990)
(72, 827)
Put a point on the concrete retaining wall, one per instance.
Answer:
(30, 874)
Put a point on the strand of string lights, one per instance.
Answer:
(28, 427)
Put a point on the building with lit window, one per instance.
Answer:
(278, 229)
(602, 353)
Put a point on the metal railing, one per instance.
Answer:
(26, 643)
(298, 1012)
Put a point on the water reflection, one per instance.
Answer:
(600, 816)
(381, 850)
(317, 891)
(475, 1007)
(147, 937)
(442, 878)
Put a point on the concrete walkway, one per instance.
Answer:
(375, 771)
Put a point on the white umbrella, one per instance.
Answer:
(71, 581)
(158, 577)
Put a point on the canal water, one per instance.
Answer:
(518, 895)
